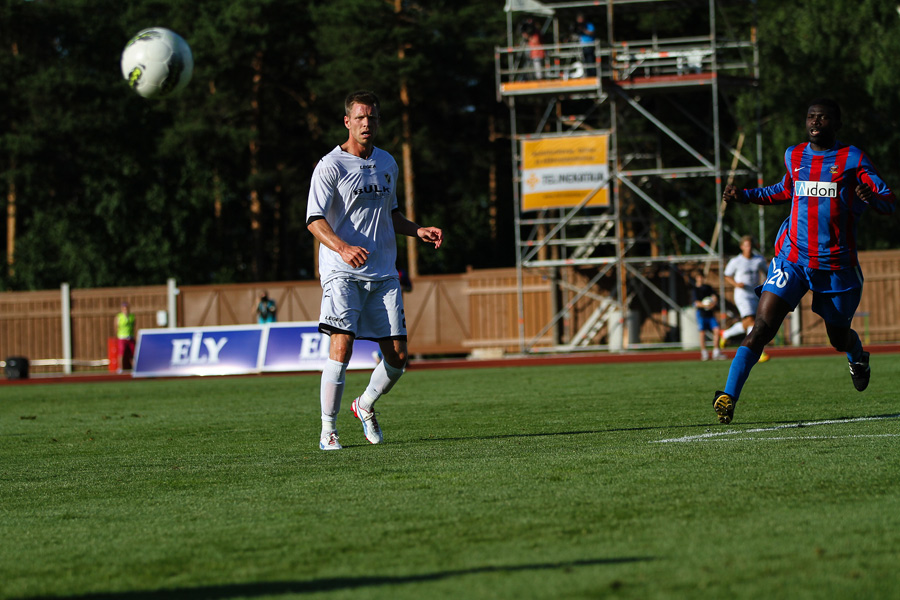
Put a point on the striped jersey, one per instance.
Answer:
(820, 232)
(356, 196)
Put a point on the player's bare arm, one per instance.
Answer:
(731, 281)
(404, 226)
(355, 256)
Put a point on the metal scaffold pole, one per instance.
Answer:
(610, 141)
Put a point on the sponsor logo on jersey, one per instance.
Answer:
(820, 189)
(366, 166)
(371, 189)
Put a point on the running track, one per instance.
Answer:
(509, 361)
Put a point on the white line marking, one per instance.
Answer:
(715, 434)
(808, 437)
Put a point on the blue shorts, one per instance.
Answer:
(706, 323)
(836, 294)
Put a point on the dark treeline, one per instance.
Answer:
(111, 189)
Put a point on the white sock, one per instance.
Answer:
(736, 329)
(382, 380)
(330, 392)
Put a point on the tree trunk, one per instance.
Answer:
(11, 222)
(412, 247)
(255, 202)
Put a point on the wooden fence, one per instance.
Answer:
(445, 314)
(878, 316)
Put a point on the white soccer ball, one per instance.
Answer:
(708, 302)
(157, 63)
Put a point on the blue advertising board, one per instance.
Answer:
(300, 347)
(239, 349)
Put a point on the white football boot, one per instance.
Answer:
(329, 441)
(369, 422)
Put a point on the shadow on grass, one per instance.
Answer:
(710, 425)
(501, 436)
(275, 588)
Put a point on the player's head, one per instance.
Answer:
(363, 97)
(125, 307)
(747, 245)
(823, 120)
(833, 107)
(361, 117)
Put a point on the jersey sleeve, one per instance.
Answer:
(884, 201)
(730, 268)
(781, 192)
(321, 190)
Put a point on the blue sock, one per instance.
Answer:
(856, 348)
(743, 361)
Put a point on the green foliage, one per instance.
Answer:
(525, 482)
(848, 50)
(112, 189)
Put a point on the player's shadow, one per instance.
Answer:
(707, 426)
(276, 588)
(502, 436)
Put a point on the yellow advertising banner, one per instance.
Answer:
(562, 171)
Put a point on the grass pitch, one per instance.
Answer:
(600, 481)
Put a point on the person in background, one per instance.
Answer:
(266, 310)
(125, 330)
(744, 272)
(705, 301)
(587, 35)
(536, 53)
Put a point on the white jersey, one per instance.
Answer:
(746, 270)
(356, 196)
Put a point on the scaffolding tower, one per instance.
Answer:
(608, 136)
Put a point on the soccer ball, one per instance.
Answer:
(157, 63)
(708, 302)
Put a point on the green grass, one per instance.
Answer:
(526, 482)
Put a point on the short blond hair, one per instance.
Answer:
(361, 97)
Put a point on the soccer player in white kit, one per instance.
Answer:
(352, 210)
(745, 272)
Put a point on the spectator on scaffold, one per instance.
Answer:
(125, 330)
(587, 35)
(537, 52)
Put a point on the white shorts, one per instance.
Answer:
(746, 301)
(367, 310)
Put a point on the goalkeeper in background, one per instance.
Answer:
(705, 301)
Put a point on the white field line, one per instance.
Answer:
(718, 434)
(806, 437)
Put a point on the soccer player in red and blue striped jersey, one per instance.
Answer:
(829, 185)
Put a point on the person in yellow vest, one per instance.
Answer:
(125, 334)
